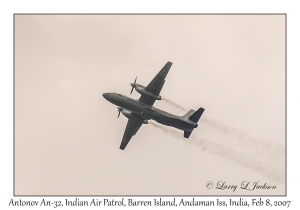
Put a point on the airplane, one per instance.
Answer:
(140, 111)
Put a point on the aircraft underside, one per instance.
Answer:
(166, 120)
(140, 111)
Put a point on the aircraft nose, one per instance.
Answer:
(105, 95)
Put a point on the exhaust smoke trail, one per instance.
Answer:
(174, 104)
(226, 152)
(244, 149)
(230, 131)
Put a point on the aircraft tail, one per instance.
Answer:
(193, 116)
(187, 134)
(196, 115)
(189, 113)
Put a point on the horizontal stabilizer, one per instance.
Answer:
(196, 116)
(187, 134)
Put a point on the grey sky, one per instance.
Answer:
(68, 136)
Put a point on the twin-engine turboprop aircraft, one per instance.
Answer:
(140, 111)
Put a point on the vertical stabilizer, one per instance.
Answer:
(188, 114)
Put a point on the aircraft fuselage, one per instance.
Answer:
(147, 113)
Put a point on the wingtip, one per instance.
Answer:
(122, 146)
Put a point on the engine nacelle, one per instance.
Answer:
(139, 88)
(142, 90)
(126, 113)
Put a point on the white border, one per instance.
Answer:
(8, 8)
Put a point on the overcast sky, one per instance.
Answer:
(67, 135)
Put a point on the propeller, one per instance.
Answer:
(133, 85)
(119, 110)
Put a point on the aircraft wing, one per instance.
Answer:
(155, 85)
(133, 125)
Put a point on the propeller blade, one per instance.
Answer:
(133, 85)
(119, 110)
(131, 89)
